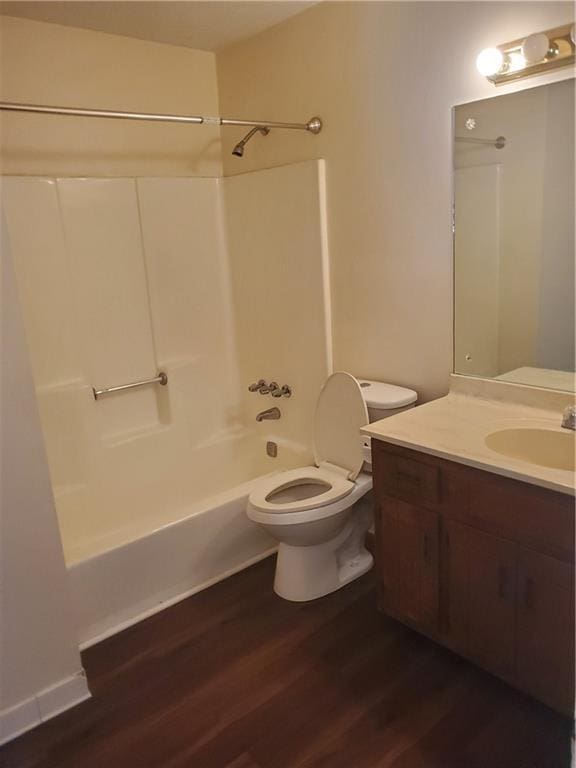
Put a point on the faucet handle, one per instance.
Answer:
(275, 389)
(269, 389)
(257, 387)
(569, 417)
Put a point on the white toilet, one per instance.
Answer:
(319, 513)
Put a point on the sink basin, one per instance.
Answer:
(545, 447)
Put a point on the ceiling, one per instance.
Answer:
(207, 25)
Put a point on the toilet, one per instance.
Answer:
(320, 514)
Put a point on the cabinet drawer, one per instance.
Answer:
(537, 518)
(406, 479)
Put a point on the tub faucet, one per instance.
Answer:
(569, 417)
(271, 413)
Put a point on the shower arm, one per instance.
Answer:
(314, 125)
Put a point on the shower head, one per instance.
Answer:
(238, 150)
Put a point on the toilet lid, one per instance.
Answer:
(340, 414)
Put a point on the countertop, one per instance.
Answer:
(455, 427)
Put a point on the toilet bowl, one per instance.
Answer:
(320, 514)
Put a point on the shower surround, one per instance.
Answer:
(217, 282)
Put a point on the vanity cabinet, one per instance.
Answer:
(481, 564)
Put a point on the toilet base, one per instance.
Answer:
(307, 573)
(302, 575)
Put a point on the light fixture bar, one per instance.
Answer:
(515, 66)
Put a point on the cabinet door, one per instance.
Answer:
(492, 596)
(408, 548)
(545, 649)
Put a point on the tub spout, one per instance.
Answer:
(271, 413)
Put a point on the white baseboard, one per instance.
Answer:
(43, 706)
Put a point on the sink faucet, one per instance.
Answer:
(569, 417)
(271, 413)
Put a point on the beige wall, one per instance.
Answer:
(280, 288)
(37, 631)
(51, 64)
(384, 77)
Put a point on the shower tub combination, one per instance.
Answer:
(141, 568)
(121, 279)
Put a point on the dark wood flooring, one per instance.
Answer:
(235, 677)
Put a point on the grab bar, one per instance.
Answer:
(161, 379)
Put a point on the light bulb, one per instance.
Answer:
(489, 61)
(535, 47)
(515, 61)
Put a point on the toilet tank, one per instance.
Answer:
(383, 400)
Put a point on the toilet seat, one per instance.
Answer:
(337, 487)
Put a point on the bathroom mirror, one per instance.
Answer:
(514, 258)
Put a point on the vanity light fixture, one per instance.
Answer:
(528, 56)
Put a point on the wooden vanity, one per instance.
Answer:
(482, 564)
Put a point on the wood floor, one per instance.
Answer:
(237, 678)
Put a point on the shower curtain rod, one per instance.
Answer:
(314, 125)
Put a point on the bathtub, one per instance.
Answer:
(128, 574)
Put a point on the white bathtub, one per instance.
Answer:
(166, 537)
(125, 584)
